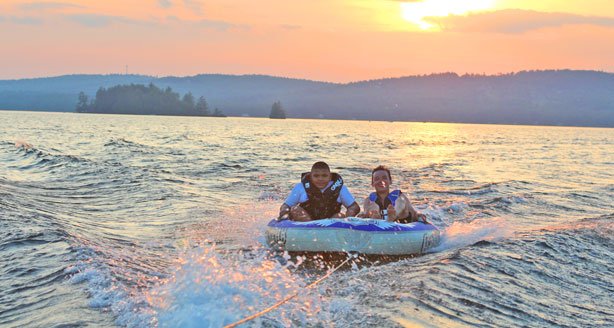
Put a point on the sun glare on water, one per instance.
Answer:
(415, 12)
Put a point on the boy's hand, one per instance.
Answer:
(374, 214)
(392, 213)
(284, 212)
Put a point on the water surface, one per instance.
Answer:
(116, 220)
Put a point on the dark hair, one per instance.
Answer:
(381, 168)
(320, 166)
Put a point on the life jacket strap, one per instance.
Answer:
(392, 196)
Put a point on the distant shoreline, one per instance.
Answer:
(313, 119)
(543, 98)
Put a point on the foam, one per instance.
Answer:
(213, 289)
(208, 285)
(270, 196)
(461, 233)
(440, 213)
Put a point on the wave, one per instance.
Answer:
(601, 227)
(122, 142)
(477, 190)
(39, 155)
(270, 196)
(9, 240)
(492, 273)
(120, 145)
(34, 253)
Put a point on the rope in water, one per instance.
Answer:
(289, 297)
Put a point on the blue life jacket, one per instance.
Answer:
(322, 204)
(389, 200)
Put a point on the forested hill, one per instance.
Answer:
(561, 97)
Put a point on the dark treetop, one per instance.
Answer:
(144, 100)
(277, 111)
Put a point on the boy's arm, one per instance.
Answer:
(284, 212)
(349, 202)
(352, 210)
(291, 201)
(413, 214)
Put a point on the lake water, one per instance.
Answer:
(144, 221)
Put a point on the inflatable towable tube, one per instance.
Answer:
(366, 236)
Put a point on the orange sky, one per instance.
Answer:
(327, 40)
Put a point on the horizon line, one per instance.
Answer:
(483, 74)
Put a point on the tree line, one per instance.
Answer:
(556, 97)
(139, 99)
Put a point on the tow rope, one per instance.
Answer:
(350, 257)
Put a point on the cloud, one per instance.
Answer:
(222, 26)
(22, 20)
(218, 25)
(41, 6)
(194, 6)
(95, 20)
(513, 21)
(290, 27)
(165, 3)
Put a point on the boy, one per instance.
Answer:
(319, 195)
(383, 204)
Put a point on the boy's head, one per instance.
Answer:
(320, 175)
(381, 179)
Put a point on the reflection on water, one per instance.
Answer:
(144, 220)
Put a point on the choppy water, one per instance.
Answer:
(141, 221)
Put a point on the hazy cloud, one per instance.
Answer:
(95, 20)
(22, 20)
(39, 6)
(290, 27)
(194, 6)
(222, 25)
(513, 21)
(165, 3)
(173, 18)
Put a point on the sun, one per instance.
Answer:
(415, 12)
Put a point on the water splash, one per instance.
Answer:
(23, 144)
(212, 289)
(462, 233)
(210, 282)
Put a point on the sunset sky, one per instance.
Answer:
(324, 40)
